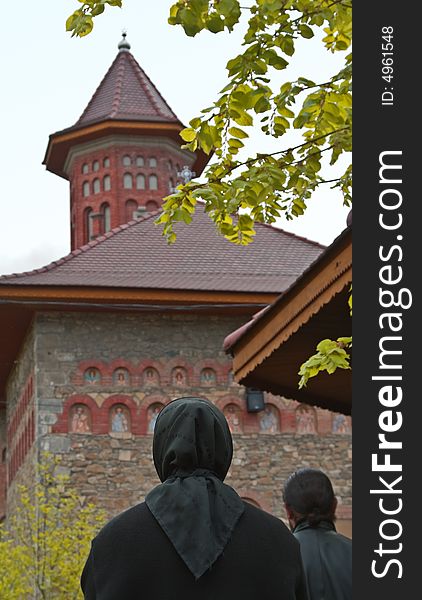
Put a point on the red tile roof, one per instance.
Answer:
(126, 93)
(135, 255)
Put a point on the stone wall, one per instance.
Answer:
(100, 377)
(118, 473)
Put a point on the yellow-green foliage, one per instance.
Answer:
(46, 542)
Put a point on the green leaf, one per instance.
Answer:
(306, 31)
(238, 133)
(188, 134)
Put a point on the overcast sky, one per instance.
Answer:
(47, 80)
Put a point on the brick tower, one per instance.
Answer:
(123, 155)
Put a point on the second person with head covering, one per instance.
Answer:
(193, 538)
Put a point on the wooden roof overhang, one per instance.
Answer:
(19, 304)
(61, 142)
(267, 352)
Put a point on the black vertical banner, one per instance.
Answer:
(387, 254)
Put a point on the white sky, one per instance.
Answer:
(47, 80)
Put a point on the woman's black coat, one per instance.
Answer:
(132, 559)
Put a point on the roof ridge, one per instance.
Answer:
(95, 94)
(147, 91)
(118, 88)
(99, 240)
(291, 234)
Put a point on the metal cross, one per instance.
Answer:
(186, 174)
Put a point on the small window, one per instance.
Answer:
(106, 162)
(96, 186)
(126, 161)
(105, 211)
(140, 182)
(87, 225)
(107, 183)
(151, 206)
(127, 181)
(152, 162)
(171, 186)
(85, 188)
(153, 182)
(170, 165)
(131, 207)
(95, 165)
(140, 161)
(85, 168)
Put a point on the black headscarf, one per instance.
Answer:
(192, 450)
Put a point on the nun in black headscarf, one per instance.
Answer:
(193, 538)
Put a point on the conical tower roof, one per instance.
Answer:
(126, 93)
(125, 102)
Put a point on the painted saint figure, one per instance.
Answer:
(119, 421)
(92, 375)
(179, 376)
(153, 412)
(208, 376)
(232, 416)
(305, 420)
(121, 376)
(340, 424)
(80, 420)
(268, 420)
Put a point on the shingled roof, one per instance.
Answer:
(135, 255)
(126, 93)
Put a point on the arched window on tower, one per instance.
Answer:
(87, 224)
(96, 186)
(85, 168)
(170, 165)
(140, 161)
(140, 182)
(153, 182)
(131, 207)
(107, 183)
(126, 161)
(152, 162)
(95, 165)
(105, 211)
(85, 189)
(127, 181)
(106, 162)
(171, 186)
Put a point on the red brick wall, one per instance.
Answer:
(169, 162)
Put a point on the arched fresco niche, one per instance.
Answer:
(233, 416)
(121, 376)
(119, 419)
(92, 375)
(340, 424)
(208, 376)
(152, 414)
(80, 420)
(269, 419)
(150, 376)
(305, 419)
(179, 376)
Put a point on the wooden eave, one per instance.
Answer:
(266, 354)
(38, 294)
(61, 142)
